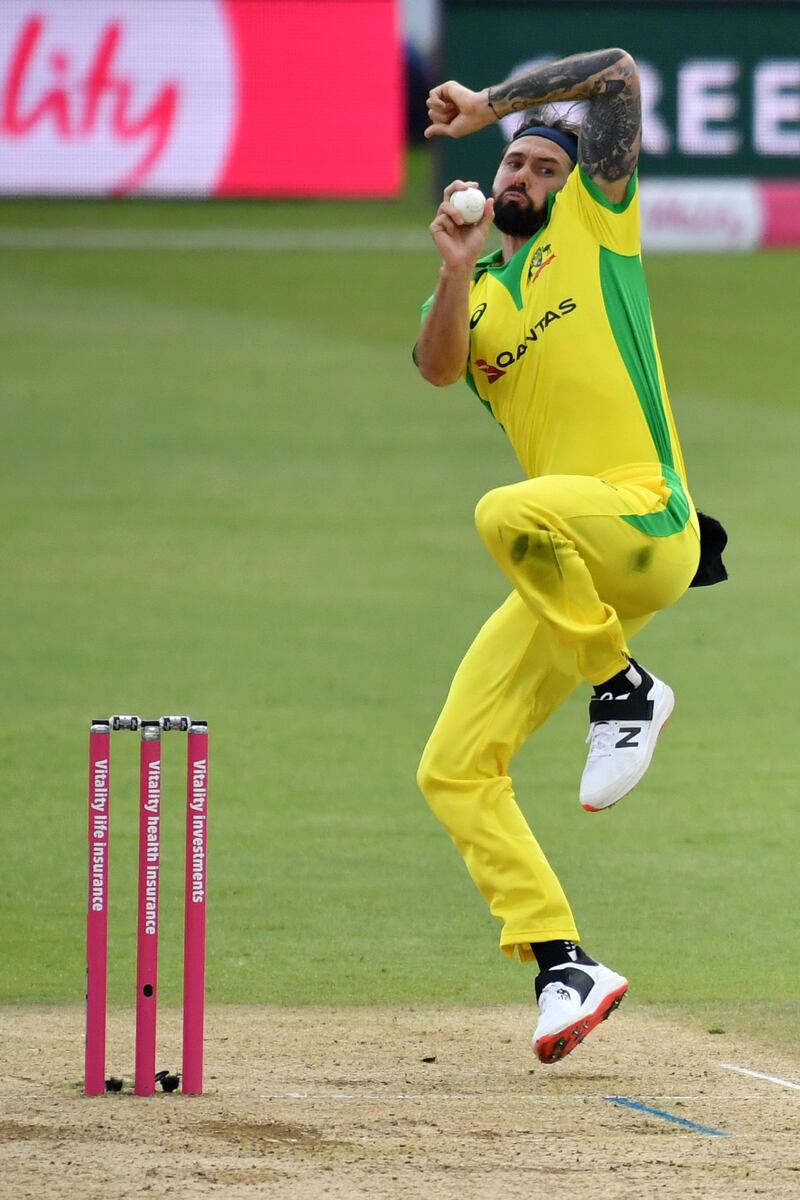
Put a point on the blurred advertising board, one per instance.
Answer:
(201, 97)
(720, 162)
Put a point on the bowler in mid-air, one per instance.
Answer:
(554, 335)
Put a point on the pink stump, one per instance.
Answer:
(194, 944)
(97, 912)
(147, 936)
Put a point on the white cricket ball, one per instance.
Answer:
(470, 202)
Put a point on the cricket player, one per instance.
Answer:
(554, 335)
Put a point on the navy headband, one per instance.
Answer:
(567, 141)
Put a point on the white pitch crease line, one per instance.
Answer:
(760, 1075)
(270, 240)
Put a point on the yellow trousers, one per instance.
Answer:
(586, 580)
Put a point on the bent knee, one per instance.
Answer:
(492, 514)
(429, 776)
(440, 772)
(508, 520)
(443, 793)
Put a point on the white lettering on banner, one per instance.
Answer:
(656, 137)
(704, 96)
(112, 96)
(100, 785)
(685, 215)
(153, 787)
(152, 846)
(199, 785)
(98, 836)
(776, 104)
(197, 834)
(98, 888)
(198, 859)
(151, 901)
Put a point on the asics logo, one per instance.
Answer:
(476, 316)
(627, 742)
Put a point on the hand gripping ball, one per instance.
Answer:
(470, 202)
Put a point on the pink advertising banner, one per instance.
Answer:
(201, 97)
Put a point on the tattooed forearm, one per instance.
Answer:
(610, 134)
(572, 78)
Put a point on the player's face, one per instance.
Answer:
(530, 168)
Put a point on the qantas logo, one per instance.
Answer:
(492, 373)
(507, 358)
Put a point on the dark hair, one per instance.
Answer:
(549, 118)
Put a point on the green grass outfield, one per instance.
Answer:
(225, 491)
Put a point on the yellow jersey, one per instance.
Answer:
(563, 353)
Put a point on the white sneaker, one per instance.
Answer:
(623, 731)
(573, 999)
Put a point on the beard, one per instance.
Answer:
(519, 219)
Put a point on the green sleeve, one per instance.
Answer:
(423, 314)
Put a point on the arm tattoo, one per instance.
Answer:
(610, 134)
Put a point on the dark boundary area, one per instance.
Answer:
(759, 5)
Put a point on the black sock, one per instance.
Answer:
(555, 954)
(621, 684)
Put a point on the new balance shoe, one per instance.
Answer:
(623, 731)
(573, 999)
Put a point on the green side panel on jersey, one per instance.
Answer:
(671, 519)
(628, 310)
(470, 381)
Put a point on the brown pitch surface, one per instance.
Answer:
(341, 1104)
